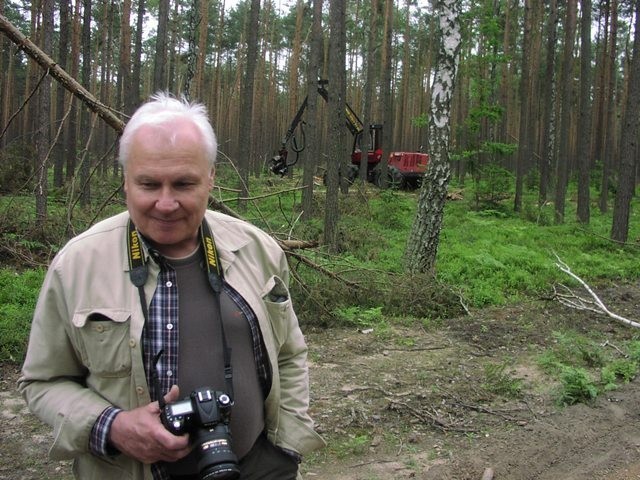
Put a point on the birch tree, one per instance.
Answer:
(424, 237)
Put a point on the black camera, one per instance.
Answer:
(205, 416)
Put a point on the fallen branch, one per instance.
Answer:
(609, 344)
(57, 72)
(364, 464)
(481, 409)
(427, 417)
(318, 268)
(572, 300)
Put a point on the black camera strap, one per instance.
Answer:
(139, 272)
(214, 275)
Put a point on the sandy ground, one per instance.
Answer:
(409, 402)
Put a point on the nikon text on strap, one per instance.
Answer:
(138, 270)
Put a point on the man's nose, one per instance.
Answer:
(167, 201)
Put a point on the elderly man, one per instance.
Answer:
(169, 303)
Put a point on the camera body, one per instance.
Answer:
(205, 415)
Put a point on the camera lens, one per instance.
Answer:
(216, 460)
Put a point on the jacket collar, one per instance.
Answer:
(228, 241)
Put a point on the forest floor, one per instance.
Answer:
(409, 402)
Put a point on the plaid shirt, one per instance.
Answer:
(162, 333)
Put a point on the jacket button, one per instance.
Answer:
(132, 342)
(139, 390)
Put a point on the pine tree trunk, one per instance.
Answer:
(385, 92)
(313, 135)
(71, 138)
(367, 143)
(548, 95)
(85, 116)
(43, 136)
(199, 91)
(401, 111)
(133, 98)
(246, 108)
(611, 119)
(5, 60)
(59, 152)
(337, 92)
(525, 150)
(161, 54)
(565, 115)
(216, 101)
(584, 121)
(628, 143)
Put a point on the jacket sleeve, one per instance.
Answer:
(53, 375)
(296, 426)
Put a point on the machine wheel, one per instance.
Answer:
(396, 180)
(352, 173)
(413, 183)
(375, 177)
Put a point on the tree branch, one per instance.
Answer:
(58, 73)
(572, 300)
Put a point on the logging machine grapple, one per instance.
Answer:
(404, 170)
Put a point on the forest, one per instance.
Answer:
(488, 360)
(546, 92)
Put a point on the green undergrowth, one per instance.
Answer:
(18, 293)
(488, 256)
(587, 366)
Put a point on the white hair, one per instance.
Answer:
(162, 108)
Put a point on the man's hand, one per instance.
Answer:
(139, 434)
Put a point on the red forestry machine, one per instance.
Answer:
(405, 169)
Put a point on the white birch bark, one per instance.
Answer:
(422, 245)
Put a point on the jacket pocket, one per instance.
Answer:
(104, 341)
(278, 304)
(103, 468)
(297, 434)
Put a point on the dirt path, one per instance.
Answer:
(600, 442)
(408, 402)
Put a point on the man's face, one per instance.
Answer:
(167, 184)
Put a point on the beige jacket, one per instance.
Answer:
(74, 369)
